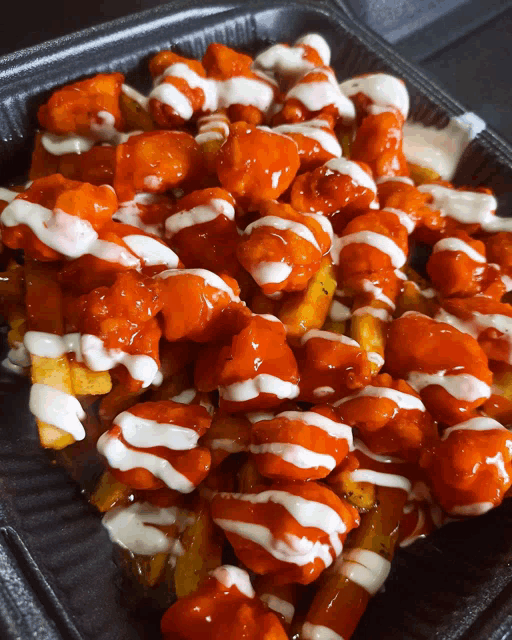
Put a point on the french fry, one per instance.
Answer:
(202, 551)
(422, 175)
(248, 477)
(336, 326)
(308, 309)
(499, 405)
(89, 383)
(411, 299)
(148, 571)
(370, 333)
(340, 601)
(227, 434)
(54, 372)
(345, 137)
(280, 598)
(109, 493)
(361, 494)
(44, 313)
(135, 116)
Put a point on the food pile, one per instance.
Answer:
(216, 296)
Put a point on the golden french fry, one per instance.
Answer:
(414, 276)
(411, 299)
(89, 383)
(370, 333)
(360, 494)
(422, 175)
(109, 492)
(227, 434)
(336, 326)
(148, 571)
(308, 309)
(135, 116)
(339, 602)
(44, 313)
(345, 138)
(54, 372)
(248, 477)
(202, 551)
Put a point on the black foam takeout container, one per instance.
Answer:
(57, 576)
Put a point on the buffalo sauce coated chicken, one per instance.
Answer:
(217, 297)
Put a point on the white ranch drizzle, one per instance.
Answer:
(440, 149)
(295, 455)
(6, 195)
(478, 323)
(358, 175)
(98, 358)
(119, 456)
(381, 242)
(151, 251)
(318, 43)
(462, 386)
(475, 509)
(314, 419)
(382, 89)
(230, 576)
(328, 335)
(299, 551)
(402, 400)
(253, 387)
(467, 207)
(311, 129)
(69, 235)
(131, 527)
(199, 215)
(135, 95)
(245, 91)
(456, 244)
(318, 632)
(112, 252)
(381, 479)
(282, 224)
(308, 513)
(283, 60)
(210, 279)
(144, 433)
(366, 568)
(417, 532)
(57, 408)
(381, 314)
(378, 457)
(403, 179)
(339, 312)
(59, 145)
(377, 293)
(317, 95)
(270, 272)
(283, 607)
(482, 423)
(227, 444)
(405, 220)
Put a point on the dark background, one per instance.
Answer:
(465, 45)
